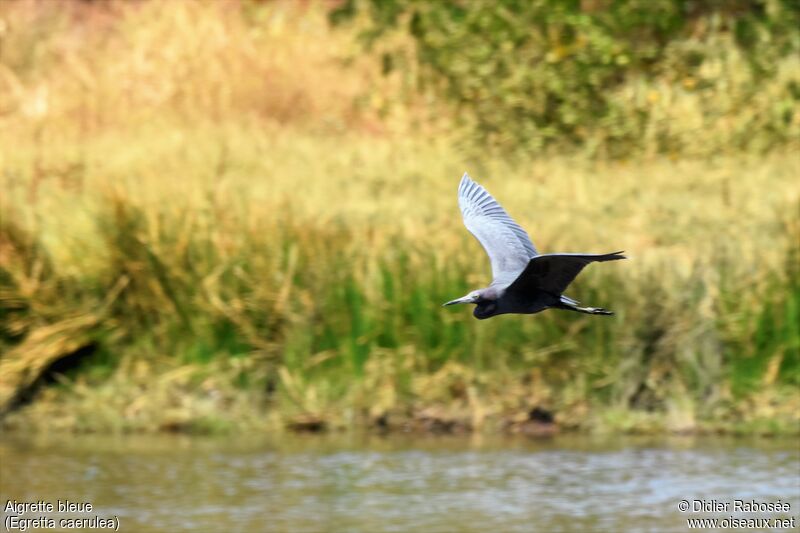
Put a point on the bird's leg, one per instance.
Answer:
(587, 310)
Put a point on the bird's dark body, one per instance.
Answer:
(525, 282)
(534, 302)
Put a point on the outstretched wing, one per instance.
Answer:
(508, 246)
(554, 272)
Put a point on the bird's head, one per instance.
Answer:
(485, 301)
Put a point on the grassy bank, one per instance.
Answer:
(226, 232)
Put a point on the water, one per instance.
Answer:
(377, 484)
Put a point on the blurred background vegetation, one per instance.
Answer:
(611, 77)
(239, 214)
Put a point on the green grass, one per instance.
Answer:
(336, 312)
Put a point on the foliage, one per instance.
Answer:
(602, 74)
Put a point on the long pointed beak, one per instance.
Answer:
(464, 300)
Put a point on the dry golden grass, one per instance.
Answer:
(99, 67)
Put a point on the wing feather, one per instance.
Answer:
(508, 246)
(554, 272)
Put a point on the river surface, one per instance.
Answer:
(371, 483)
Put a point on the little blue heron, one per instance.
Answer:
(524, 281)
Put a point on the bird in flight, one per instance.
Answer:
(524, 281)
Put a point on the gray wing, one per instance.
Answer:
(554, 272)
(508, 246)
